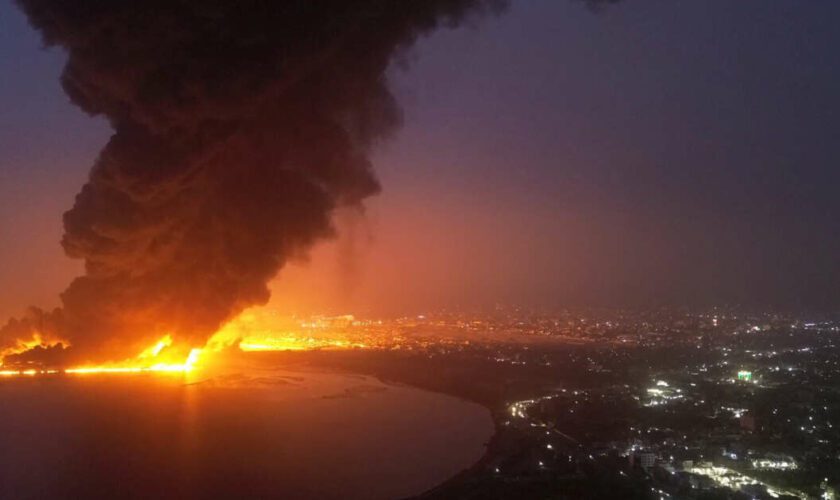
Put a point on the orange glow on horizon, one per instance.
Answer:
(259, 330)
(253, 330)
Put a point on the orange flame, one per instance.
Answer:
(251, 331)
(149, 360)
(23, 345)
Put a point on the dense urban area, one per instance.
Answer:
(615, 404)
(661, 404)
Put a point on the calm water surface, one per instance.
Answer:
(266, 434)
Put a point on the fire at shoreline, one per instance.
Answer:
(143, 363)
(251, 331)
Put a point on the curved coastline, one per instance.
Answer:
(481, 463)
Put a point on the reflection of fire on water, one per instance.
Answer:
(249, 332)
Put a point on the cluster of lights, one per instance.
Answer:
(736, 412)
(662, 394)
(729, 478)
(766, 463)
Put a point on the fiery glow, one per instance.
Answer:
(154, 350)
(260, 330)
(145, 362)
(255, 330)
(292, 344)
(23, 345)
(9, 373)
(149, 360)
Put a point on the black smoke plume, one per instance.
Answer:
(239, 127)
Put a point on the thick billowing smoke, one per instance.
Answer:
(239, 127)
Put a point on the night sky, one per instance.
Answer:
(654, 152)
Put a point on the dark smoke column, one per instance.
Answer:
(239, 126)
